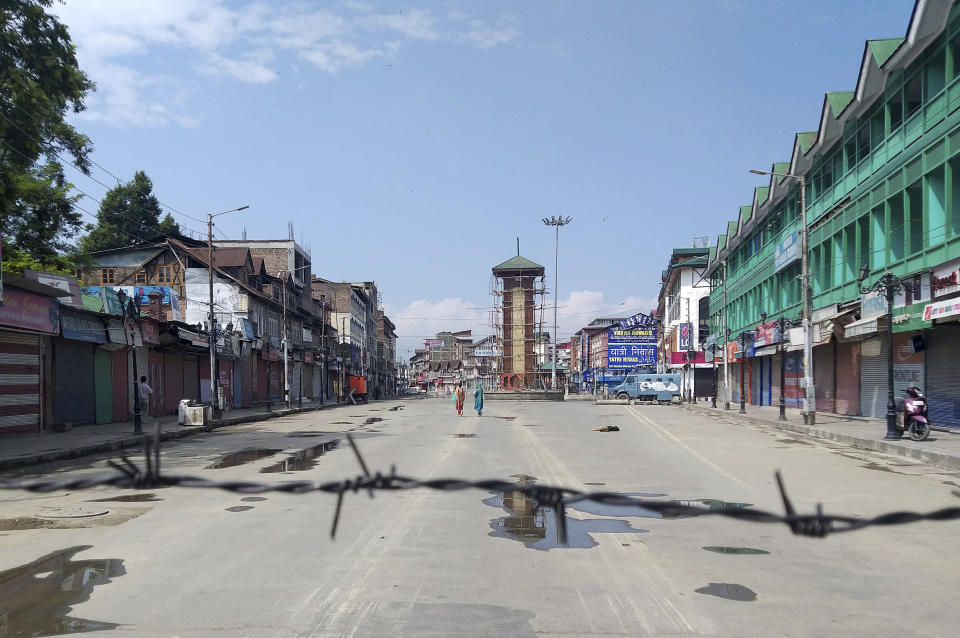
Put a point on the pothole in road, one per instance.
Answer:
(536, 526)
(506, 418)
(730, 591)
(735, 550)
(37, 596)
(302, 460)
(241, 457)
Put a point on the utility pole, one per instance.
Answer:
(810, 410)
(286, 378)
(212, 328)
(726, 334)
(556, 222)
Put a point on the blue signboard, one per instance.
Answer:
(638, 319)
(787, 252)
(686, 332)
(632, 347)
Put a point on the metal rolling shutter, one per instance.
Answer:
(847, 397)
(755, 381)
(943, 380)
(823, 377)
(191, 377)
(702, 382)
(172, 381)
(873, 377)
(306, 379)
(103, 385)
(121, 389)
(19, 383)
(73, 385)
(776, 361)
(238, 383)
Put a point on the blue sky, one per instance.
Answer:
(412, 144)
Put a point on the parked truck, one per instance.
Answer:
(649, 386)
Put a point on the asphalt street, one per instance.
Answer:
(196, 562)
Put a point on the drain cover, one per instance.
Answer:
(71, 511)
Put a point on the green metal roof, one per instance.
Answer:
(806, 140)
(721, 242)
(732, 229)
(713, 252)
(762, 193)
(839, 101)
(883, 49)
(689, 251)
(781, 167)
(746, 212)
(518, 263)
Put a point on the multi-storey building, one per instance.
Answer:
(681, 339)
(882, 175)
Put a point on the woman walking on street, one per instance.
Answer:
(478, 401)
(459, 395)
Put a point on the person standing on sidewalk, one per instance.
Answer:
(146, 392)
(459, 395)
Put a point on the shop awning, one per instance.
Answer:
(941, 309)
(864, 327)
(766, 351)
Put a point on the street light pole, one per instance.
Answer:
(129, 311)
(713, 352)
(888, 285)
(212, 331)
(809, 391)
(556, 222)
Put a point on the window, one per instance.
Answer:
(913, 93)
(141, 278)
(955, 54)
(863, 142)
(914, 213)
(936, 74)
(108, 275)
(165, 274)
(895, 110)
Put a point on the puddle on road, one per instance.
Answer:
(302, 460)
(239, 458)
(341, 423)
(371, 420)
(594, 483)
(307, 434)
(253, 499)
(735, 550)
(396, 407)
(37, 597)
(730, 591)
(505, 418)
(127, 498)
(705, 504)
(536, 527)
(239, 508)
(609, 509)
(464, 436)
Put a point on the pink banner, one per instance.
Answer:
(29, 311)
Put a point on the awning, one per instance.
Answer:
(864, 327)
(766, 351)
(941, 309)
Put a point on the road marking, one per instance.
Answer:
(658, 430)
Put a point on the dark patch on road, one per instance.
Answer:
(613, 509)
(38, 595)
(127, 498)
(302, 460)
(371, 420)
(730, 591)
(706, 504)
(395, 408)
(239, 508)
(464, 436)
(341, 423)
(253, 499)
(736, 550)
(531, 425)
(536, 526)
(307, 434)
(506, 418)
(241, 457)
(594, 483)
(873, 465)
(792, 441)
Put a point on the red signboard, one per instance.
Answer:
(679, 358)
(30, 312)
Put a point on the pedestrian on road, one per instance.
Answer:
(145, 392)
(478, 400)
(458, 395)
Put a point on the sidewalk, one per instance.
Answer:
(942, 448)
(29, 449)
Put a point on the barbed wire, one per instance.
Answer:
(816, 525)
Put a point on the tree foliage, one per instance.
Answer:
(129, 214)
(40, 84)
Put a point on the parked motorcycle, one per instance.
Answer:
(912, 414)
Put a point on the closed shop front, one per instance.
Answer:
(908, 362)
(942, 377)
(191, 377)
(873, 377)
(756, 380)
(306, 379)
(793, 375)
(134, 372)
(103, 385)
(249, 379)
(225, 370)
(702, 383)
(824, 378)
(20, 382)
(238, 383)
(318, 382)
(775, 362)
(73, 386)
(157, 381)
(173, 379)
(847, 378)
(294, 372)
(121, 389)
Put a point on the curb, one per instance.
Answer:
(877, 445)
(137, 440)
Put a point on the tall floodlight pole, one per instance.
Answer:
(556, 222)
(211, 333)
(809, 401)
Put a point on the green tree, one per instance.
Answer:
(129, 214)
(40, 83)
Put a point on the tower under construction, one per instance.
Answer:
(518, 288)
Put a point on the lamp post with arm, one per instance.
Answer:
(742, 340)
(714, 348)
(130, 311)
(556, 222)
(888, 285)
(782, 325)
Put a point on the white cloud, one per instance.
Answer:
(421, 319)
(239, 43)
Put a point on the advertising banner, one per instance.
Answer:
(638, 319)
(685, 337)
(631, 347)
(29, 311)
(787, 252)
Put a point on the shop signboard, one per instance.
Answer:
(639, 319)
(685, 337)
(632, 347)
(787, 252)
(872, 304)
(82, 328)
(30, 312)
(945, 279)
(767, 334)
(941, 309)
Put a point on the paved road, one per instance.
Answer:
(424, 563)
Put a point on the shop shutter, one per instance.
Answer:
(943, 380)
(73, 385)
(103, 385)
(776, 361)
(823, 377)
(755, 382)
(702, 382)
(225, 370)
(249, 380)
(238, 383)
(873, 377)
(120, 388)
(306, 380)
(156, 380)
(191, 377)
(294, 373)
(847, 376)
(19, 383)
(317, 382)
(133, 375)
(172, 381)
